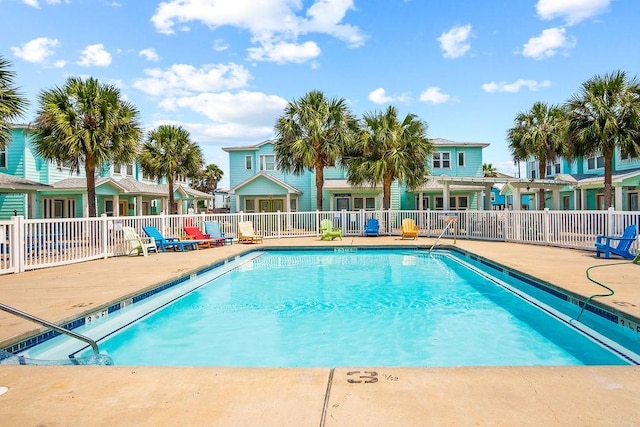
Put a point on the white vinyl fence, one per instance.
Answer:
(27, 244)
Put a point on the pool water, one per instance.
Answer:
(362, 308)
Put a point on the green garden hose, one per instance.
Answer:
(598, 283)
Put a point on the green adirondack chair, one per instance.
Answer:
(328, 231)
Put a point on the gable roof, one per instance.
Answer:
(15, 184)
(254, 147)
(290, 189)
(441, 142)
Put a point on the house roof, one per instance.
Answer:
(441, 142)
(130, 186)
(15, 184)
(290, 189)
(253, 147)
(587, 179)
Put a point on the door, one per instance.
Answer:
(632, 202)
(271, 205)
(342, 203)
(123, 208)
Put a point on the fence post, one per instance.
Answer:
(17, 248)
(317, 224)
(611, 221)
(546, 225)
(104, 225)
(279, 224)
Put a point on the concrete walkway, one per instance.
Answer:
(563, 396)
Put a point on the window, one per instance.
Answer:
(147, 176)
(268, 162)
(533, 167)
(367, 203)
(595, 162)
(248, 163)
(130, 169)
(293, 205)
(461, 159)
(250, 205)
(441, 160)
(58, 208)
(117, 169)
(181, 178)
(3, 158)
(624, 158)
(459, 203)
(553, 169)
(425, 202)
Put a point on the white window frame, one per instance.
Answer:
(117, 169)
(442, 160)
(129, 169)
(596, 159)
(247, 209)
(53, 207)
(533, 169)
(3, 158)
(248, 163)
(264, 163)
(461, 159)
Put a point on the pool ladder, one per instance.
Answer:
(27, 316)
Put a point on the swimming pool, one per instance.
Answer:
(345, 308)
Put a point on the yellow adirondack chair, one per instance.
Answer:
(246, 234)
(409, 228)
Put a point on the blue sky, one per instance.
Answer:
(225, 69)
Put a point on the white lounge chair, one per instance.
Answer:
(134, 242)
(246, 234)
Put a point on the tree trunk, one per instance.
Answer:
(542, 166)
(319, 185)
(608, 189)
(90, 172)
(171, 200)
(386, 192)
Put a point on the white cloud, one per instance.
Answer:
(219, 45)
(434, 96)
(274, 26)
(572, 11)
(36, 50)
(96, 55)
(36, 3)
(183, 79)
(149, 54)
(379, 96)
(455, 42)
(284, 52)
(253, 108)
(547, 44)
(515, 87)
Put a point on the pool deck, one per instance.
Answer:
(352, 396)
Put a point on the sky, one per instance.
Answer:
(226, 69)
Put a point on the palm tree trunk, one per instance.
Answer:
(171, 200)
(319, 184)
(608, 189)
(386, 192)
(542, 170)
(90, 172)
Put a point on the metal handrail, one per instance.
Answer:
(43, 322)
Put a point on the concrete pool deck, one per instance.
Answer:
(115, 395)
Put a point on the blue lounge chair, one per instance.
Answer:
(164, 243)
(372, 227)
(617, 245)
(212, 228)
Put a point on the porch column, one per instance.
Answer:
(138, 205)
(577, 200)
(480, 204)
(85, 205)
(583, 199)
(288, 202)
(164, 203)
(238, 207)
(445, 196)
(116, 205)
(555, 199)
(617, 190)
(420, 201)
(487, 197)
(30, 211)
(517, 199)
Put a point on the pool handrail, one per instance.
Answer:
(27, 316)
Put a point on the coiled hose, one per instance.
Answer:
(598, 283)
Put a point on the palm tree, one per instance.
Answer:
(605, 114)
(169, 152)
(489, 171)
(12, 104)
(538, 133)
(311, 133)
(387, 150)
(85, 123)
(208, 178)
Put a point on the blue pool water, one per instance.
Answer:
(363, 308)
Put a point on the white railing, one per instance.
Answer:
(27, 244)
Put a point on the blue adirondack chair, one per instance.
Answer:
(372, 227)
(164, 243)
(212, 228)
(617, 245)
